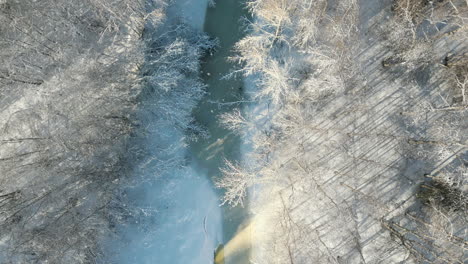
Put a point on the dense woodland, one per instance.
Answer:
(358, 126)
(79, 81)
(359, 133)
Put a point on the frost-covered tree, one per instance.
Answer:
(74, 80)
(235, 180)
(362, 100)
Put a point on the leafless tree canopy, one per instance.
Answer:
(78, 80)
(359, 134)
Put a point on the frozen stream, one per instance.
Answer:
(188, 223)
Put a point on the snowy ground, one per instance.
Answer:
(190, 11)
(186, 226)
(348, 167)
(185, 223)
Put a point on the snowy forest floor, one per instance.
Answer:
(365, 141)
(96, 114)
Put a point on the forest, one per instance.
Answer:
(359, 133)
(78, 82)
(350, 131)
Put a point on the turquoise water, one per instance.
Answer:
(180, 219)
(222, 22)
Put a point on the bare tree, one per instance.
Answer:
(358, 111)
(79, 82)
(235, 181)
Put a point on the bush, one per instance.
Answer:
(443, 195)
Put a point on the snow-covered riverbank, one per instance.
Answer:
(192, 12)
(180, 207)
(180, 216)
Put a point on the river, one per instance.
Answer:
(221, 22)
(181, 217)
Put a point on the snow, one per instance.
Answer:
(190, 11)
(186, 227)
(185, 223)
(347, 169)
(182, 220)
(260, 202)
